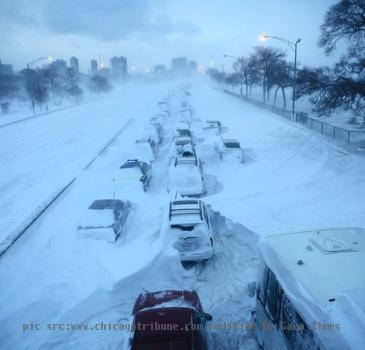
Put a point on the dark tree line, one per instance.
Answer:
(266, 67)
(53, 83)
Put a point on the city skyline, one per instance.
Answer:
(151, 33)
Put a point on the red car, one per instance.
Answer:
(169, 320)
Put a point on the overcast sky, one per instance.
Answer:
(149, 32)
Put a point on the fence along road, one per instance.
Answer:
(347, 136)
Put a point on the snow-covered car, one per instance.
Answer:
(190, 223)
(185, 176)
(311, 290)
(143, 150)
(168, 319)
(185, 115)
(230, 149)
(104, 219)
(180, 142)
(153, 133)
(213, 126)
(133, 172)
(183, 130)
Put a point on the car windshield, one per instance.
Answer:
(184, 132)
(180, 142)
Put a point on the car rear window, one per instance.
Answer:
(231, 144)
(102, 204)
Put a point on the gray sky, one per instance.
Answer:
(148, 32)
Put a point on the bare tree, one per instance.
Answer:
(342, 86)
(344, 20)
(265, 60)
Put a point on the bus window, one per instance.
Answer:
(296, 332)
(273, 296)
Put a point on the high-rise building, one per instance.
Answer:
(159, 69)
(74, 64)
(93, 67)
(119, 67)
(6, 69)
(179, 65)
(193, 67)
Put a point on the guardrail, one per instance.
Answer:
(9, 241)
(347, 136)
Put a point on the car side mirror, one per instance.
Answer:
(208, 317)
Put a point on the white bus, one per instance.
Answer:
(311, 291)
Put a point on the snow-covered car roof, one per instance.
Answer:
(182, 298)
(185, 177)
(97, 218)
(322, 272)
(182, 140)
(101, 213)
(142, 150)
(185, 211)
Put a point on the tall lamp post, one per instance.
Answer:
(294, 47)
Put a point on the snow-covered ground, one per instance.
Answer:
(292, 179)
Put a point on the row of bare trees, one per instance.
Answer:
(328, 88)
(51, 84)
(266, 67)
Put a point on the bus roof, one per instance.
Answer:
(335, 257)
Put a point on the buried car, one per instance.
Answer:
(105, 219)
(213, 126)
(133, 171)
(230, 149)
(169, 319)
(189, 220)
(143, 150)
(185, 175)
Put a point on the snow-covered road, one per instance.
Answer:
(293, 179)
(39, 156)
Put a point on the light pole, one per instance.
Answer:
(29, 64)
(236, 58)
(294, 47)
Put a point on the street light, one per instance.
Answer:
(29, 64)
(294, 47)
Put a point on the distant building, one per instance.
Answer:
(74, 64)
(93, 67)
(193, 67)
(105, 72)
(159, 69)
(179, 65)
(6, 69)
(118, 67)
